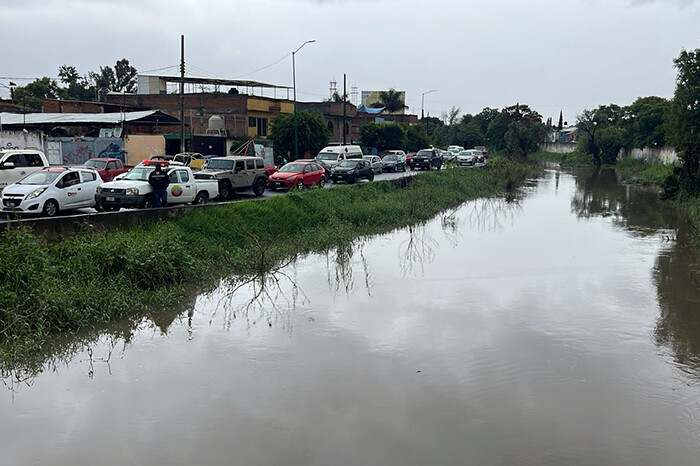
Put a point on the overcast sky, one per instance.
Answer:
(552, 55)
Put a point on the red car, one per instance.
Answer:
(298, 174)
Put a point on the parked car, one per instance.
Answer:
(375, 162)
(133, 190)
(299, 174)
(16, 164)
(409, 160)
(399, 153)
(236, 173)
(108, 168)
(349, 171)
(393, 163)
(447, 156)
(455, 149)
(479, 156)
(333, 155)
(466, 158)
(427, 159)
(51, 190)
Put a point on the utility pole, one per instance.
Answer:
(182, 93)
(345, 96)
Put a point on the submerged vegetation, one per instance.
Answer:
(566, 160)
(96, 277)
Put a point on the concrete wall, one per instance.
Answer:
(558, 147)
(21, 140)
(140, 147)
(76, 151)
(662, 155)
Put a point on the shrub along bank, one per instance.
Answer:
(92, 278)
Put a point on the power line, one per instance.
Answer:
(264, 67)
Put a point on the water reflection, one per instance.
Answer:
(97, 345)
(677, 281)
(599, 193)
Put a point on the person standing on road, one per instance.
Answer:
(159, 181)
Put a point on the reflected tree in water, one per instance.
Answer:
(340, 267)
(96, 346)
(636, 209)
(417, 250)
(677, 283)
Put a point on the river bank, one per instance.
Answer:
(93, 278)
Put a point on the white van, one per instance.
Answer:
(331, 156)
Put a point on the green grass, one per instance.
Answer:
(93, 278)
(634, 171)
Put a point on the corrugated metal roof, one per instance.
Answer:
(89, 118)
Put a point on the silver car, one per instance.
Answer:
(375, 162)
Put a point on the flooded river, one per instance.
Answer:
(561, 327)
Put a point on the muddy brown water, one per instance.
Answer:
(561, 327)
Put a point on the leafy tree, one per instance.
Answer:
(416, 138)
(435, 129)
(525, 130)
(125, 76)
(645, 122)
(383, 136)
(450, 116)
(591, 122)
(32, 95)
(685, 117)
(79, 87)
(560, 125)
(312, 133)
(470, 134)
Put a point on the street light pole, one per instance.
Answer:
(422, 101)
(294, 83)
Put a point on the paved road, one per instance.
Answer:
(236, 197)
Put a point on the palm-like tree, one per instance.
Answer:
(392, 100)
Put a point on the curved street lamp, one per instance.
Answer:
(294, 83)
(422, 101)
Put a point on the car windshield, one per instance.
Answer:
(139, 173)
(347, 164)
(220, 164)
(390, 158)
(40, 178)
(425, 152)
(327, 156)
(292, 168)
(98, 164)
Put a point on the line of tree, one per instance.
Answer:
(652, 122)
(122, 77)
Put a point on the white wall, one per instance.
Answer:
(665, 154)
(21, 140)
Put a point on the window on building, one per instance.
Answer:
(259, 123)
(330, 126)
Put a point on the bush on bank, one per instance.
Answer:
(93, 277)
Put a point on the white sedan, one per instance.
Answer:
(51, 190)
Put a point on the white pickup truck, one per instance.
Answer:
(15, 164)
(132, 189)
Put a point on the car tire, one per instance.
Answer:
(99, 207)
(381, 170)
(259, 187)
(322, 182)
(147, 203)
(225, 190)
(50, 208)
(371, 177)
(201, 199)
(352, 180)
(300, 185)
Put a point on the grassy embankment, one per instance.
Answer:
(568, 160)
(95, 277)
